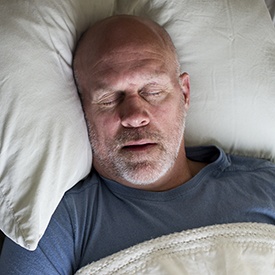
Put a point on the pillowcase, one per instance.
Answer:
(227, 47)
(44, 144)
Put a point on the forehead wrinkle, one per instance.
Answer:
(106, 73)
(126, 54)
(142, 78)
(120, 62)
(106, 87)
(124, 69)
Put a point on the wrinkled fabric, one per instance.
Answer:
(239, 249)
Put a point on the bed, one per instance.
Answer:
(227, 47)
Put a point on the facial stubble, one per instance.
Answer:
(136, 168)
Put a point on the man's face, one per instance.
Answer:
(134, 101)
(135, 108)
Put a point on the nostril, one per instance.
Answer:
(135, 121)
(134, 114)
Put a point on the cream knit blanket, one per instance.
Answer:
(240, 248)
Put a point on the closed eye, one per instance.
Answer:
(111, 99)
(156, 93)
(108, 102)
(153, 95)
(151, 92)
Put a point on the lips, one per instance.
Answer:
(140, 145)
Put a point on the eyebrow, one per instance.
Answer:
(103, 88)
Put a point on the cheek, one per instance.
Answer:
(104, 126)
(168, 114)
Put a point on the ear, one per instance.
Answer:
(185, 85)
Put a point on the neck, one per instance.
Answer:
(181, 172)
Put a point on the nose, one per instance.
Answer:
(133, 112)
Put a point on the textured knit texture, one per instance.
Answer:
(235, 249)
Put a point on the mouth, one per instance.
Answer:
(139, 146)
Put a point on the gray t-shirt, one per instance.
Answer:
(99, 217)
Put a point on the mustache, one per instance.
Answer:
(127, 135)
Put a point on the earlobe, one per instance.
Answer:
(185, 84)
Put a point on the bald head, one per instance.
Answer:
(134, 99)
(113, 37)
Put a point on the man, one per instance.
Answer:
(144, 182)
(135, 101)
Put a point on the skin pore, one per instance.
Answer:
(135, 102)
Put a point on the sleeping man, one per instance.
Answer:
(144, 183)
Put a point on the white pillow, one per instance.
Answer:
(228, 48)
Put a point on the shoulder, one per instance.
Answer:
(251, 171)
(87, 187)
(242, 163)
(229, 167)
(75, 202)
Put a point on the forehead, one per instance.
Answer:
(130, 81)
(128, 69)
(126, 53)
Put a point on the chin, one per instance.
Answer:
(145, 174)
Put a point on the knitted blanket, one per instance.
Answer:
(240, 248)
